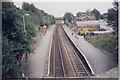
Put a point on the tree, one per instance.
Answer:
(112, 19)
(52, 19)
(112, 16)
(15, 40)
(29, 7)
(68, 17)
(11, 43)
(41, 17)
(96, 13)
(104, 16)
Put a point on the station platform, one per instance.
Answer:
(97, 60)
(36, 66)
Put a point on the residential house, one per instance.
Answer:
(84, 16)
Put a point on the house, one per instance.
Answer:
(93, 24)
(84, 16)
(88, 25)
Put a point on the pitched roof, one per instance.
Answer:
(82, 17)
(87, 23)
(87, 17)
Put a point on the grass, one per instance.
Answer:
(105, 42)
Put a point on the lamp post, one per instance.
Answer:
(24, 21)
(25, 28)
(23, 75)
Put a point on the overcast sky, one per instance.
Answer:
(59, 8)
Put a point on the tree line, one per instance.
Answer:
(15, 40)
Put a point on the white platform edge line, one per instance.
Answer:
(48, 72)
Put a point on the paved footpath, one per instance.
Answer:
(98, 60)
(36, 64)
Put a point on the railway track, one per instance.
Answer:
(56, 66)
(64, 59)
(76, 62)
